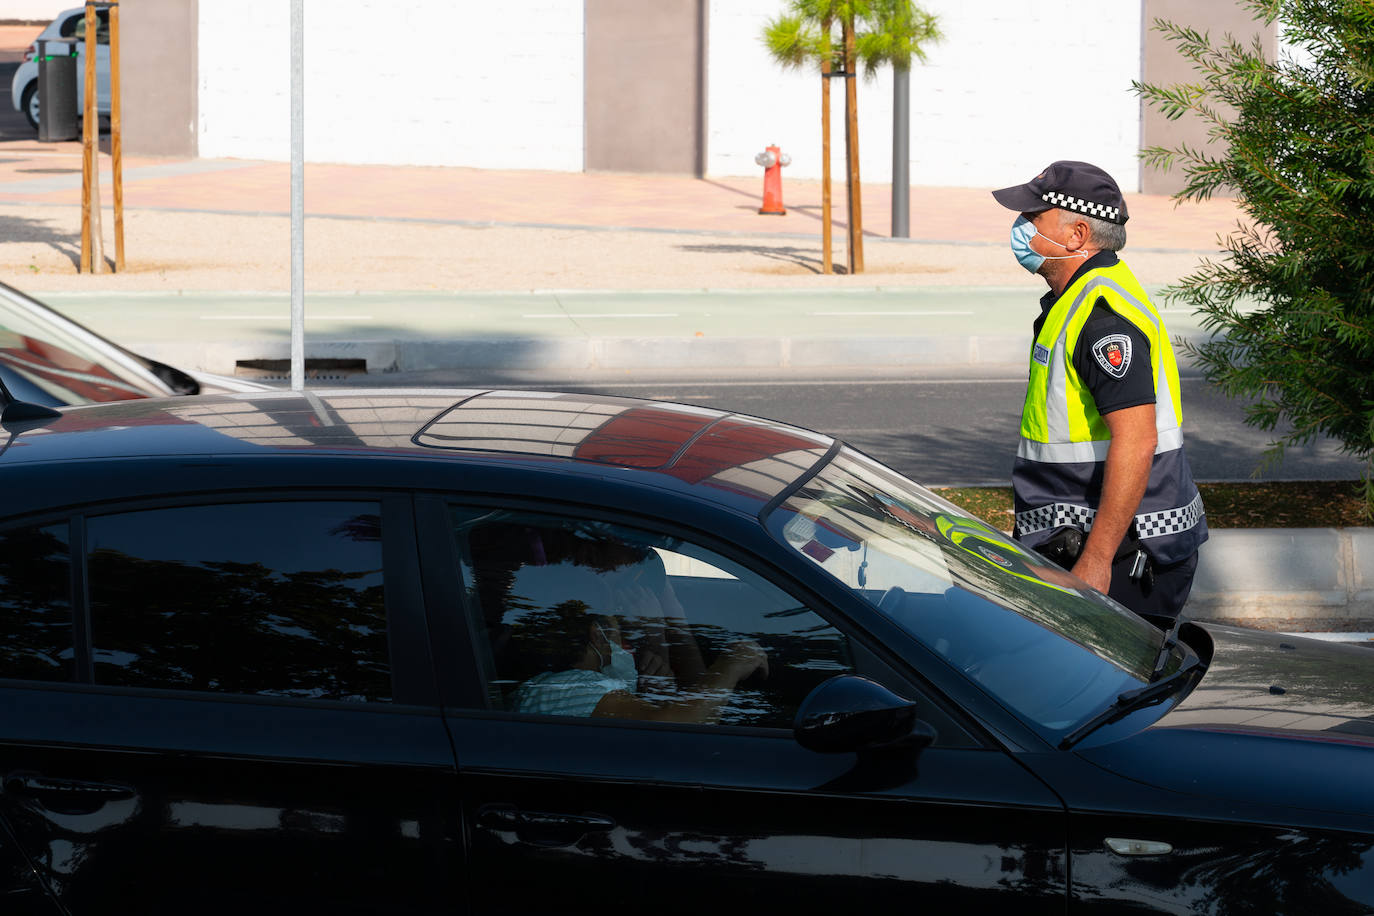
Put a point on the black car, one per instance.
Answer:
(512, 652)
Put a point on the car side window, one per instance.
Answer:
(277, 599)
(35, 604)
(591, 619)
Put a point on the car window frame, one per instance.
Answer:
(408, 646)
(464, 691)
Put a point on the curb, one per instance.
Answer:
(578, 354)
(1298, 573)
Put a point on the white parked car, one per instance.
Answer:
(68, 24)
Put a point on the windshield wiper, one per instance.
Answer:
(1170, 640)
(1154, 692)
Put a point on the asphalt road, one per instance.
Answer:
(941, 429)
(13, 125)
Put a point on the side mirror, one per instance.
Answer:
(851, 713)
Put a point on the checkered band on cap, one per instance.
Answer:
(1170, 521)
(1078, 204)
(1055, 515)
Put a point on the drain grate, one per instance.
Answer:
(280, 369)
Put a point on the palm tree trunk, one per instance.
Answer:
(826, 229)
(851, 135)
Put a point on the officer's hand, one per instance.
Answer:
(1097, 573)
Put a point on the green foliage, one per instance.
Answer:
(885, 32)
(1291, 303)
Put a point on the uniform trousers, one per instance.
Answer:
(1163, 594)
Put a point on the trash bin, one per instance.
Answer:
(57, 112)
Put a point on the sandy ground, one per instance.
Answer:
(206, 251)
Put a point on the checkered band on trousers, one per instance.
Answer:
(1170, 521)
(1147, 524)
(1101, 211)
(1055, 515)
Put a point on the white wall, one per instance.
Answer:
(418, 82)
(1013, 86)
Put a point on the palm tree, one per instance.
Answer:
(872, 32)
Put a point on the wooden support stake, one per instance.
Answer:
(826, 229)
(856, 232)
(116, 140)
(90, 128)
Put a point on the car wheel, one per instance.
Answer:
(28, 103)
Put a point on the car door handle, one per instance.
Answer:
(67, 796)
(541, 828)
(510, 817)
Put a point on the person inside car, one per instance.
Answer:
(571, 634)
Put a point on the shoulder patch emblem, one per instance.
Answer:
(1041, 354)
(1113, 354)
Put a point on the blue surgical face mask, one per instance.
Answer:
(1022, 231)
(622, 663)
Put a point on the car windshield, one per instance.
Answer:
(1033, 636)
(47, 359)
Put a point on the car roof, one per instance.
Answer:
(652, 442)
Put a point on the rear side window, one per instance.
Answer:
(35, 604)
(274, 599)
(75, 27)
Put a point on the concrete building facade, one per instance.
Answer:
(672, 86)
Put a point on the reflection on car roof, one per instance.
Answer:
(695, 445)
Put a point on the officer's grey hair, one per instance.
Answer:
(1105, 235)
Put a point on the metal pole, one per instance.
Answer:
(901, 152)
(297, 194)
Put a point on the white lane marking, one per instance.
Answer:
(308, 315)
(918, 312)
(600, 315)
(1334, 636)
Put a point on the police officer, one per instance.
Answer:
(1101, 446)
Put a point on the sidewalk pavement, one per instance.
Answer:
(482, 197)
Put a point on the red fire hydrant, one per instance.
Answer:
(772, 159)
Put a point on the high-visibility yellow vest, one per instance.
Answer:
(1064, 440)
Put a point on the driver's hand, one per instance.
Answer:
(651, 664)
(745, 658)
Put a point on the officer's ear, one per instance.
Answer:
(1078, 234)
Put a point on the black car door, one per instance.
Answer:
(226, 708)
(574, 812)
